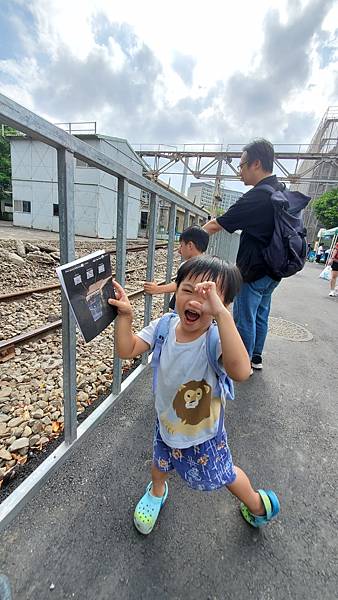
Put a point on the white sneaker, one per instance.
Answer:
(332, 293)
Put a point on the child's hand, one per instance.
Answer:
(121, 301)
(150, 287)
(210, 303)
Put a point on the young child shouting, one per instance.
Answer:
(189, 433)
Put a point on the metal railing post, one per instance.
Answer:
(148, 302)
(153, 214)
(170, 255)
(121, 249)
(65, 163)
(186, 219)
(69, 147)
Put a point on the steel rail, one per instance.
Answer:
(43, 330)
(54, 286)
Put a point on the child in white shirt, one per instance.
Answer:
(189, 433)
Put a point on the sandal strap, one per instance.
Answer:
(267, 504)
(157, 498)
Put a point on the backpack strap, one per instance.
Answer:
(279, 197)
(225, 386)
(267, 188)
(160, 335)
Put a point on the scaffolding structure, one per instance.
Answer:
(324, 171)
(294, 163)
(310, 168)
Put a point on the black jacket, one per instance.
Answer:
(253, 214)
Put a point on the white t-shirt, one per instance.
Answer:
(187, 411)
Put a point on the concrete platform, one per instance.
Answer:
(76, 540)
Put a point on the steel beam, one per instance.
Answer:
(204, 170)
(229, 155)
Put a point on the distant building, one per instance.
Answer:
(202, 194)
(35, 190)
(163, 215)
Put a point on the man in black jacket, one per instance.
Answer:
(253, 214)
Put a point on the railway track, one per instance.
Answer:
(52, 286)
(33, 376)
(7, 347)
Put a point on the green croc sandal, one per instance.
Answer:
(148, 509)
(271, 505)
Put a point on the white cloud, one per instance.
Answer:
(181, 75)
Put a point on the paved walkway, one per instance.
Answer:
(77, 535)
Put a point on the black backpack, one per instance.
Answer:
(285, 255)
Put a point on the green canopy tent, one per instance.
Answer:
(329, 234)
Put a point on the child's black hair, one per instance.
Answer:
(226, 275)
(198, 236)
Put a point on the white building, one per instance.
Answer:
(35, 191)
(202, 194)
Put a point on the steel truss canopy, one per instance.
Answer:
(209, 161)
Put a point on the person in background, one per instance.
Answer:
(333, 261)
(319, 253)
(253, 213)
(193, 242)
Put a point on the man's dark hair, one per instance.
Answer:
(226, 275)
(198, 236)
(261, 150)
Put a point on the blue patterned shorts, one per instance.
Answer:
(205, 467)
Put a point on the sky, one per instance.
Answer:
(174, 73)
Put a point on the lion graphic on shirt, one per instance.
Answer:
(195, 407)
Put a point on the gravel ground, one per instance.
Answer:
(31, 403)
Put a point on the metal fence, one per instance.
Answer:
(224, 245)
(69, 147)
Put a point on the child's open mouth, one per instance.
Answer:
(191, 316)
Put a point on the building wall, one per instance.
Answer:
(34, 179)
(121, 152)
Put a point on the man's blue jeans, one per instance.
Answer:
(251, 312)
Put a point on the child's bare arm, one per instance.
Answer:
(128, 344)
(151, 287)
(234, 355)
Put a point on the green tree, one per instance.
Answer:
(5, 164)
(326, 208)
